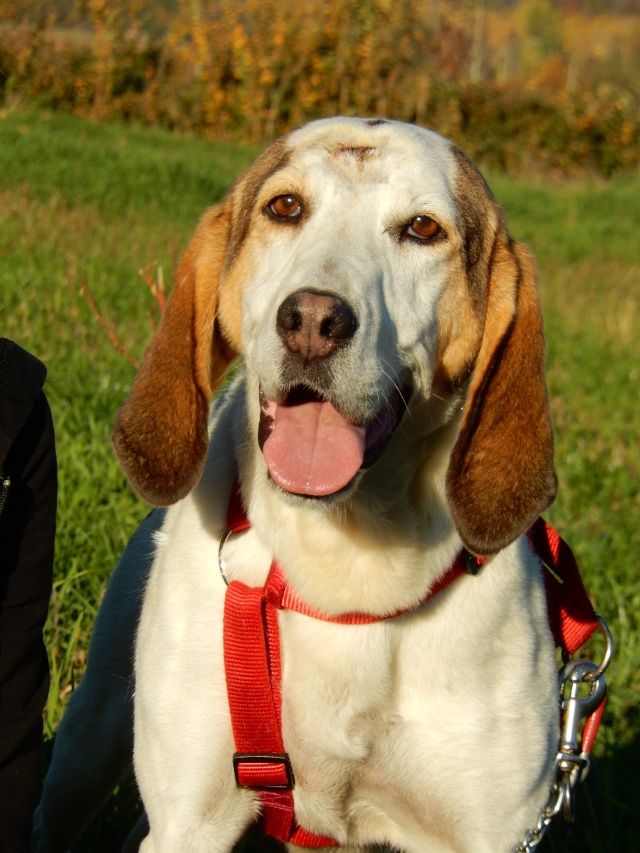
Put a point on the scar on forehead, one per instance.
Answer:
(361, 153)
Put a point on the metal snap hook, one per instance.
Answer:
(575, 707)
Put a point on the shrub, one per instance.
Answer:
(253, 69)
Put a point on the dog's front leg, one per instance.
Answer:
(217, 830)
(183, 741)
(217, 833)
(195, 805)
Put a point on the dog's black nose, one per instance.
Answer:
(315, 324)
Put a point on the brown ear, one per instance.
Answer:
(501, 473)
(160, 433)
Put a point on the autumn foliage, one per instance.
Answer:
(520, 87)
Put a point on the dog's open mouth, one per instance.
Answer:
(311, 449)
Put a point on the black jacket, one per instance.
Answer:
(28, 495)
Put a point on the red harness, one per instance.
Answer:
(254, 677)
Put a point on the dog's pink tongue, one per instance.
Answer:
(313, 450)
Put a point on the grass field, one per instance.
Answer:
(87, 206)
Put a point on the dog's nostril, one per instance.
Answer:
(289, 318)
(340, 323)
(315, 324)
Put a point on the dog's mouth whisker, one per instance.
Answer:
(312, 449)
(402, 391)
(439, 398)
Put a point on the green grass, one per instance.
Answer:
(586, 241)
(88, 205)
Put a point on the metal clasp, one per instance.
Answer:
(575, 675)
(572, 763)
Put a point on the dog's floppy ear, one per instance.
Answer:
(160, 433)
(501, 473)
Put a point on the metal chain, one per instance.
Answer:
(534, 837)
(560, 799)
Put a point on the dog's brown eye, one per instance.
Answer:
(285, 207)
(423, 228)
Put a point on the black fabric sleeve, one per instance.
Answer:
(27, 531)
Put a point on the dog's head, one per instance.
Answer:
(360, 267)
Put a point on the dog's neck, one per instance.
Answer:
(379, 549)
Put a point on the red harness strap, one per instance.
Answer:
(254, 677)
(570, 612)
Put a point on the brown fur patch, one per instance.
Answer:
(160, 433)
(462, 307)
(459, 334)
(245, 192)
(501, 473)
(478, 218)
(230, 303)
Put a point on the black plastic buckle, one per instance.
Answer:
(240, 758)
(471, 564)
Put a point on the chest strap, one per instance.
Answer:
(254, 674)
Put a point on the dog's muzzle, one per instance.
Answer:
(311, 448)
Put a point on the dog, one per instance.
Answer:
(389, 415)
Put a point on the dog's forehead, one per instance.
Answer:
(376, 152)
(369, 138)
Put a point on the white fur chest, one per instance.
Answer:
(389, 726)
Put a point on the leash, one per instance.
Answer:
(254, 677)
